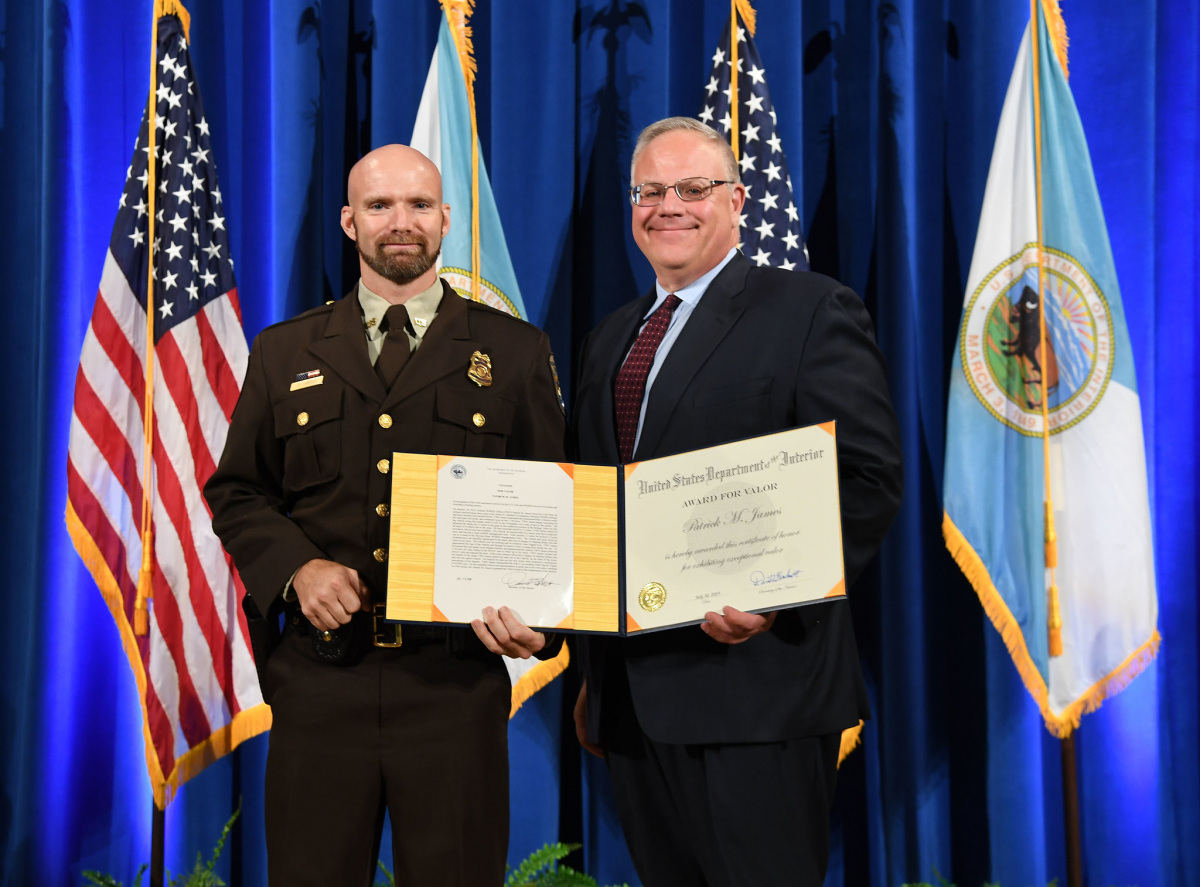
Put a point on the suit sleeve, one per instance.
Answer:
(843, 376)
(245, 494)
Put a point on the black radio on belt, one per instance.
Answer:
(343, 645)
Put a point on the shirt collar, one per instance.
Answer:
(422, 308)
(694, 290)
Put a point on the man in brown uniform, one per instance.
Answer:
(300, 501)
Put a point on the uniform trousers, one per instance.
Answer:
(419, 730)
(730, 815)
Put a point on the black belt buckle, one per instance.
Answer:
(384, 633)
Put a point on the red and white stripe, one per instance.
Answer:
(198, 668)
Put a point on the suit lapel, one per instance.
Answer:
(713, 317)
(344, 348)
(445, 348)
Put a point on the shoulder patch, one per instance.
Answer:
(557, 388)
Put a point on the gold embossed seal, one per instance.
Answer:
(652, 596)
(480, 371)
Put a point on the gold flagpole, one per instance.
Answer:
(733, 79)
(748, 16)
(1053, 614)
(1071, 821)
(458, 12)
(145, 588)
(145, 591)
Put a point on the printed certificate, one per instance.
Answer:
(753, 524)
(469, 532)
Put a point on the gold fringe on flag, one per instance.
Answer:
(1062, 724)
(537, 677)
(458, 14)
(175, 8)
(749, 16)
(1057, 28)
(851, 739)
(244, 725)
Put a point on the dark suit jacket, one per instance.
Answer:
(764, 350)
(300, 475)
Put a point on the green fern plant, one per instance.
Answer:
(388, 880)
(540, 869)
(100, 879)
(202, 875)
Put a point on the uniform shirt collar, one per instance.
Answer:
(422, 309)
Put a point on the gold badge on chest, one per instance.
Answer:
(480, 370)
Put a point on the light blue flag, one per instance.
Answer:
(442, 132)
(996, 457)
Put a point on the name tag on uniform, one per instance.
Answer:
(307, 380)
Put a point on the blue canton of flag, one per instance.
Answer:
(192, 262)
(771, 230)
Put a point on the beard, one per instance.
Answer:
(401, 268)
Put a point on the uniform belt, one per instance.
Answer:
(382, 633)
(393, 634)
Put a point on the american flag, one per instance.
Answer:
(194, 668)
(771, 233)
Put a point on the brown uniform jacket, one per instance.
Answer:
(305, 471)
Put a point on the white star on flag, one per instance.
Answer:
(757, 120)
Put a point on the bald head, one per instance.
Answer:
(396, 217)
(390, 161)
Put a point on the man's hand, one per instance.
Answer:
(732, 626)
(502, 632)
(581, 723)
(329, 594)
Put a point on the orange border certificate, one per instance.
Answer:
(753, 524)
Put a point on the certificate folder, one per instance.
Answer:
(624, 550)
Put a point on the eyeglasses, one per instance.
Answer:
(689, 190)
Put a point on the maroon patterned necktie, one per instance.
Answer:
(396, 350)
(630, 387)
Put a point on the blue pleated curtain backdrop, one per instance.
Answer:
(887, 112)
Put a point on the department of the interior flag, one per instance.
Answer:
(443, 133)
(1050, 349)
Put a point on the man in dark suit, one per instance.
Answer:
(301, 502)
(722, 740)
